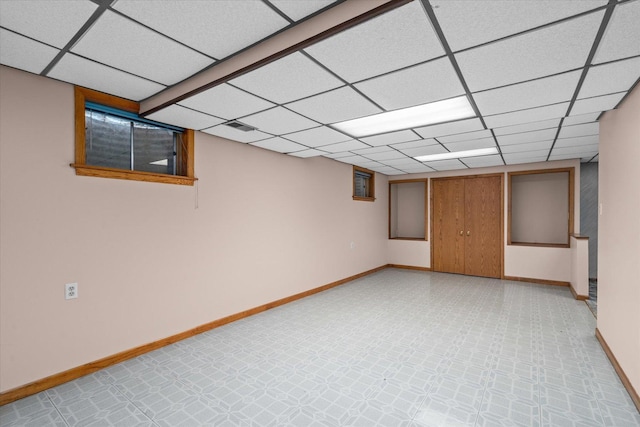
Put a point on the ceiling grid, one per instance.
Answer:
(537, 74)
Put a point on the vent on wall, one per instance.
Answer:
(240, 126)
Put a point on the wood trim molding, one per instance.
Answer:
(576, 295)
(89, 368)
(98, 171)
(623, 377)
(537, 281)
(409, 267)
(580, 237)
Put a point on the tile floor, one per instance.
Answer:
(397, 348)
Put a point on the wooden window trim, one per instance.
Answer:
(82, 95)
(426, 209)
(571, 195)
(372, 184)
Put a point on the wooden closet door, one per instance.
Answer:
(483, 226)
(448, 224)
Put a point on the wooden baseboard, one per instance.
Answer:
(537, 281)
(623, 377)
(89, 368)
(409, 267)
(576, 295)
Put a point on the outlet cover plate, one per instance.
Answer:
(71, 291)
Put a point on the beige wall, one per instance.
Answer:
(520, 261)
(149, 263)
(619, 234)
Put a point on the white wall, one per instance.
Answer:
(148, 263)
(619, 235)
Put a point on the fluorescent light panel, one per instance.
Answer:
(406, 118)
(458, 154)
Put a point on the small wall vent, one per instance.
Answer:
(240, 126)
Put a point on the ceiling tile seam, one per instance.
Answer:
(588, 161)
(572, 70)
(29, 37)
(442, 144)
(347, 83)
(205, 113)
(76, 37)
(539, 27)
(445, 45)
(525, 109)
(278, 11)
(495, 139)
(613, 61)
(466, 165)
(594, 48)
(127, 17)
(403, 68)
(624, 97)
(118, 69)
(308, 147)
(392, 4)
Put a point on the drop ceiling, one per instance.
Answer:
(538, 73)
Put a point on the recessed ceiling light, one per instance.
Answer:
(457, 154)
(406, 118)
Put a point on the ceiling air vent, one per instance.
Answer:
(240, 126)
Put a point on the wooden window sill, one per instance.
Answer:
(364, 199)
(420, 239)
(541, 245)
(102, 172)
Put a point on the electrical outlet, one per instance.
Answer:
(71, 291)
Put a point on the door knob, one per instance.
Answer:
(468, 233)
(461, 232)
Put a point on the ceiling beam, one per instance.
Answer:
(319, 27)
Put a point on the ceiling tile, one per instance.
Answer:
(513, 160)
(420, 84)
(465, 136)
(308, 153)
(216, 28)
(402, 163)
(469, 23)
(296, 9)
(582, 118)
(233, 134)
(531, 55)
(610, 78)
(567, 156)
(470, 145)
(13, 48)
(387, 170)
(335, 106)
(278, 121)
(138, 50)
(373, 150)
(446, 165)
(293, 77)
(82, 72)
(338, 155)
(424, 151)
(280, 145)
(353, 159)
(579, 130)
(622, 34)
(371, 48)
(317, 136)
(578, 150)
(483, 161)
(369, 164)
(451, 128)
(598, 103)
(549, 90)
(51, 22)
(227, 102)
(523, 138)
(387, 155)
(184, 117)
(526, 127)
(527, 116)
(416, 144)
(419, 168)
(530, 146)
(577, 141)
(390, 138)
(595, 159)
(344, 146)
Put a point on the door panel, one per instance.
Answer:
(448, 222)
(483, 222)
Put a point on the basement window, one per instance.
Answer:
(113, 141)
(363, 184)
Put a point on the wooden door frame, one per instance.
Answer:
(502, 225)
